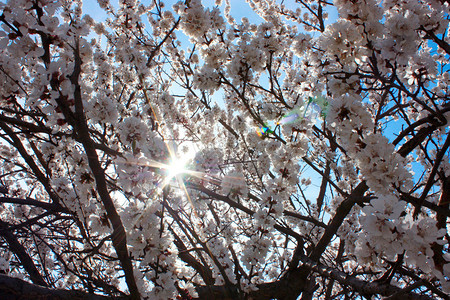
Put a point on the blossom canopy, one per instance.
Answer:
(174, 151)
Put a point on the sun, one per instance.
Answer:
(176, 167)
(180, 163)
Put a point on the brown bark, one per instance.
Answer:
(15, 289)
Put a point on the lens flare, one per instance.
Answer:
(315, 108)
(261, 131)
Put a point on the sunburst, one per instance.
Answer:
(176, 167)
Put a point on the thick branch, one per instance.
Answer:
(15, 288)
(363, 287)
(19, 250)
(54, 207)
(432, 36)
(17, 143)
(184, 254)
(341, 213)
(119, 238)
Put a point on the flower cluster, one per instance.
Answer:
(387, 231)
(379, 164)
(321, 147)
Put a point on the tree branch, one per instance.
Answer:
(15, 288)
(19, 250)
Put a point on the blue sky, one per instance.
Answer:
(239, 9)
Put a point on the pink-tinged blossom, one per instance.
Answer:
(310, 148)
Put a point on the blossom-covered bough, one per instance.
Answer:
(319, 150)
